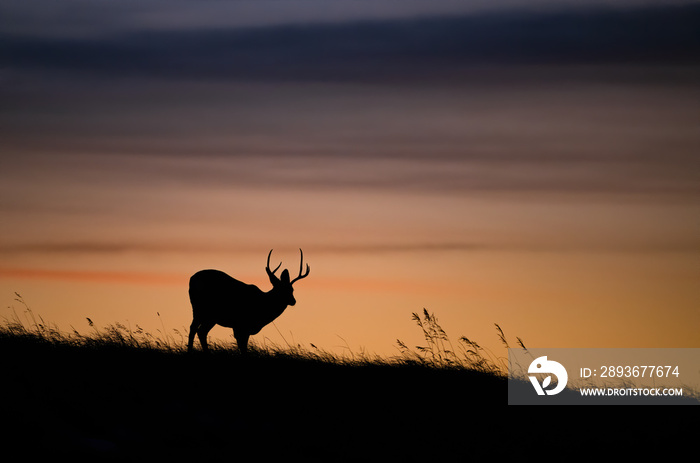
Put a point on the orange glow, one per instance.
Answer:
(97, 276)
(555, 211)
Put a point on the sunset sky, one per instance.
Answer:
(535, 165)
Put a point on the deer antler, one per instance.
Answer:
(267, 269)
(301, 267)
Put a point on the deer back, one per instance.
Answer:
(215, 295)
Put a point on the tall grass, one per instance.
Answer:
(438, 351)
(24, 323)
(441, 352)
(27, 324)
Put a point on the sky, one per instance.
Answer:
(531, 164)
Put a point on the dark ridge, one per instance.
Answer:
(116, 402)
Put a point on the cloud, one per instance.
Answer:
(133, 185)
(416, 48)
(111, 248)
(86, 18)
(105, 248)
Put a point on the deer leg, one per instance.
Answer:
(202, 333)
(193, 331)
(242, 342)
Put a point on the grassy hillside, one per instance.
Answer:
(114, 394)
(127, 396)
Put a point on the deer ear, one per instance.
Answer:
(285, 276)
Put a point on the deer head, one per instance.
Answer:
(283, 286)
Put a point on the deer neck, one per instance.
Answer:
(275, 304)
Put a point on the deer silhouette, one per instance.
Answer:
(219, 299)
